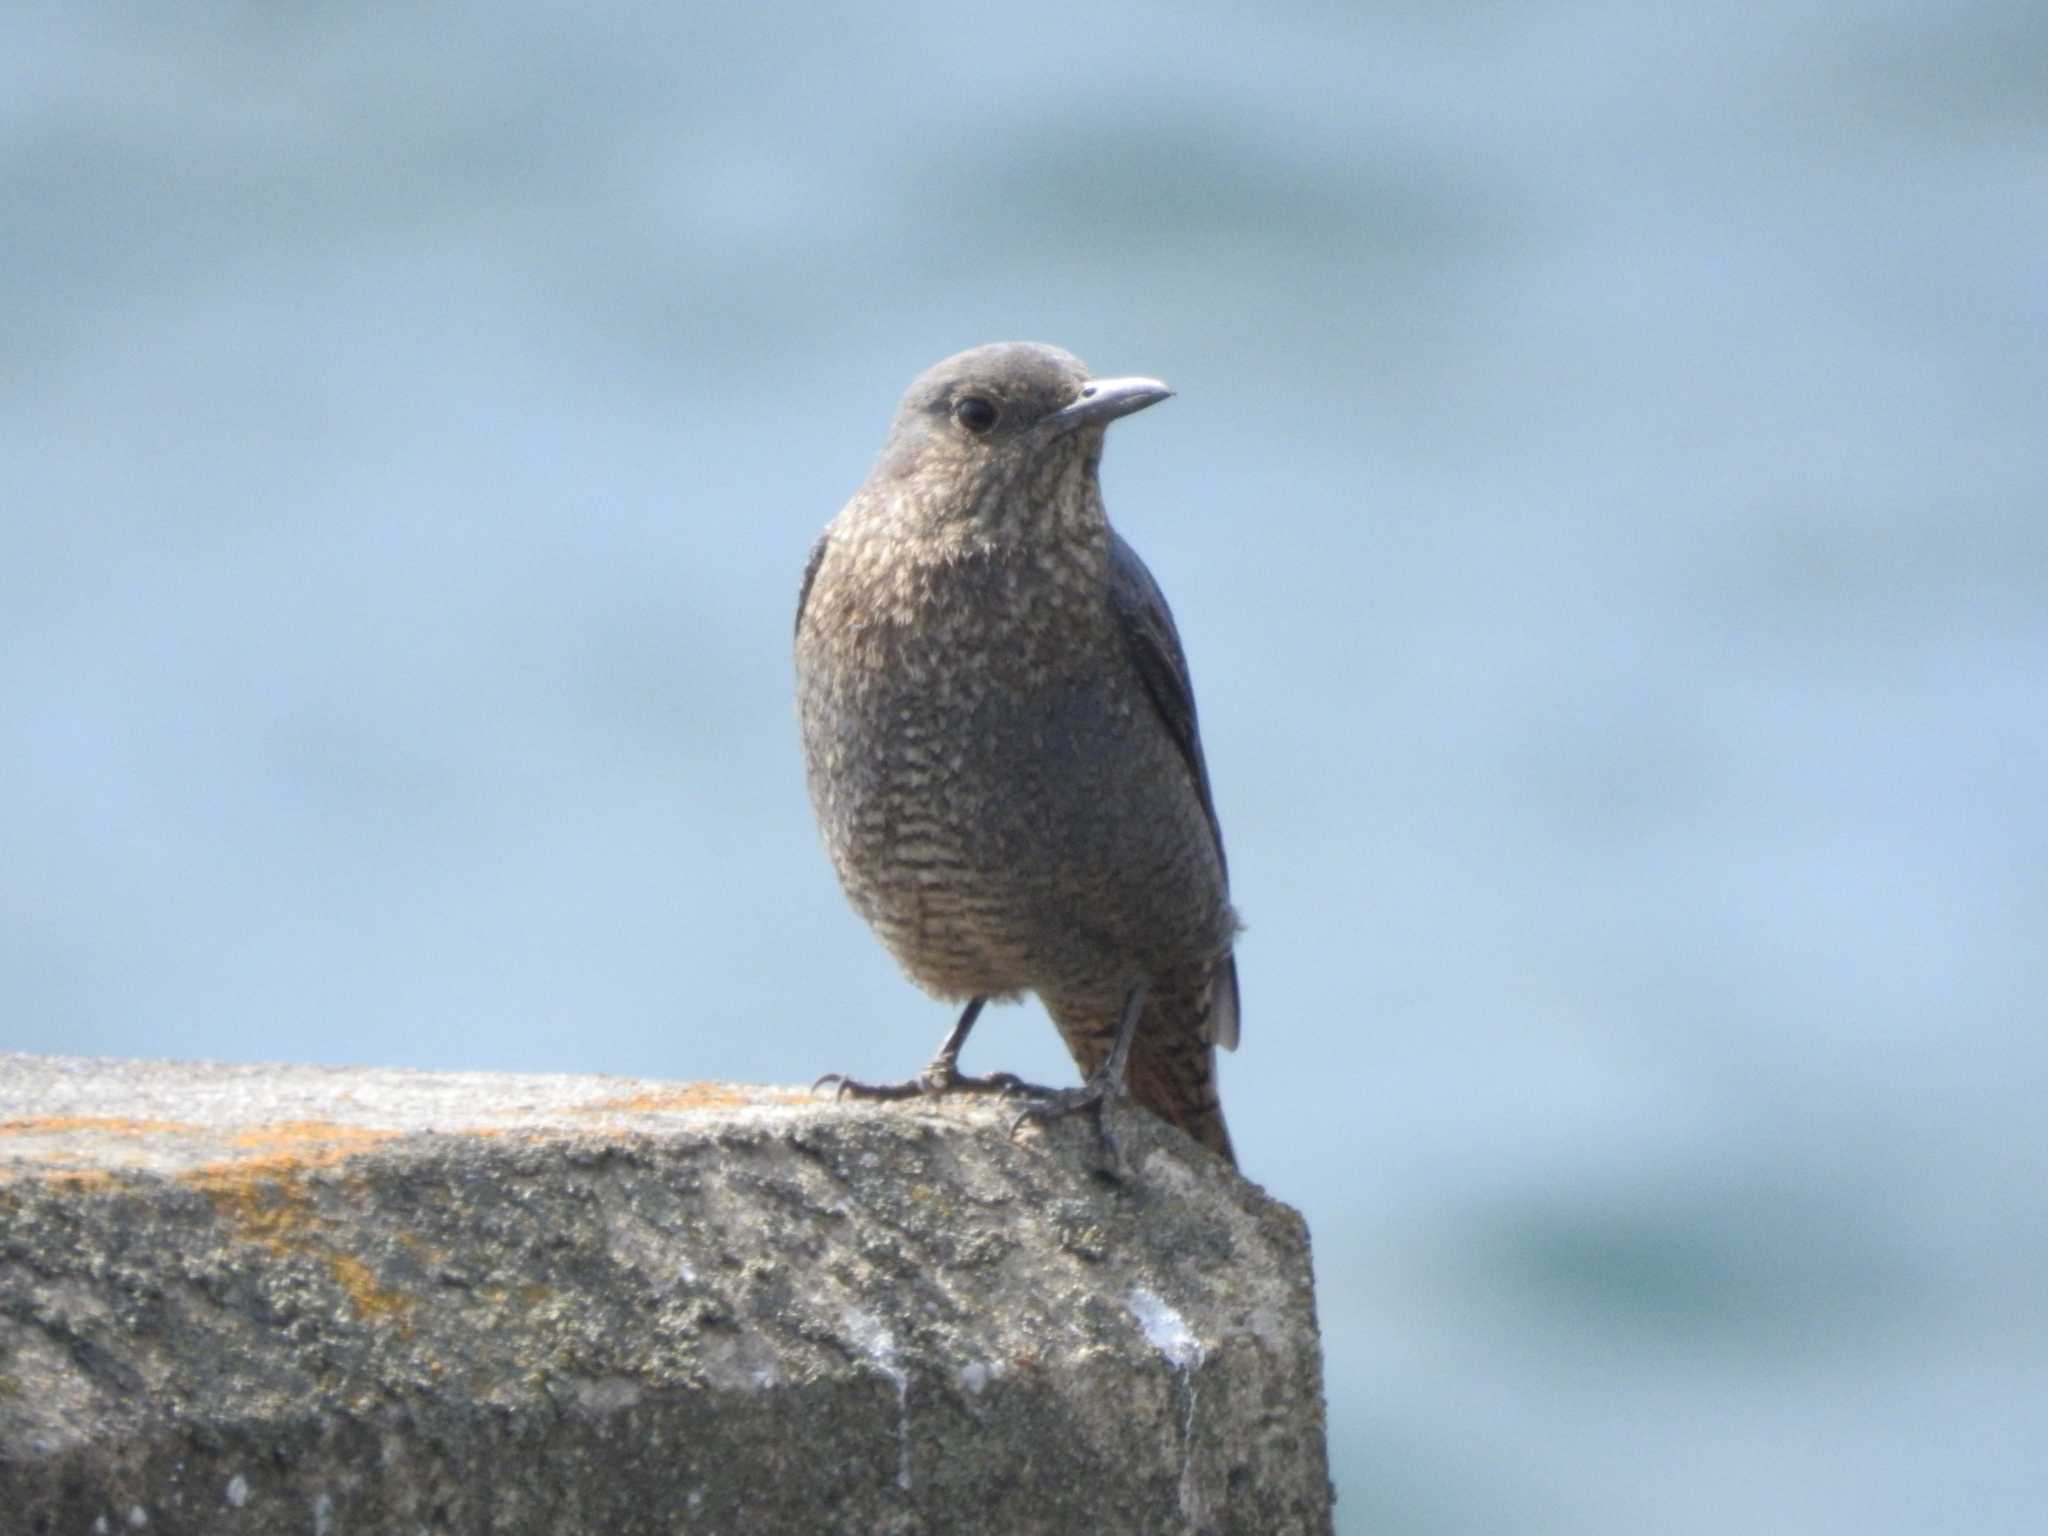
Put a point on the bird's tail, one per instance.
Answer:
(1173, 1074)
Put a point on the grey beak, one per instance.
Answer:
(1103, 400)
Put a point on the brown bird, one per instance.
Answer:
(1000, 742)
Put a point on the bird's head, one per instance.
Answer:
(1011, 422)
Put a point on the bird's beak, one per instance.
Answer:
(1103, 400)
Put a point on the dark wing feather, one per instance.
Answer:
(810, 575)
(1146, 623)
(1154, 645)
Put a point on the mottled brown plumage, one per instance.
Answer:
(1000, 737)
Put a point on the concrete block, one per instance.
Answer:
(257, 1299)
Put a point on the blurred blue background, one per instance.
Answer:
(1606, 506)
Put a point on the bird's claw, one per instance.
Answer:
(1091, 1098)
(939, 1080)
(845, 1087)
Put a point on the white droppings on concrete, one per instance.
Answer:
(1165, 1329)
(1268, 1318)
(976, 1375)
(608, 1394)
(735, 1361)
(1168, 1332)
(875, 1341)
(238, 1490)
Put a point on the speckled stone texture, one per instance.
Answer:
(290, 1299)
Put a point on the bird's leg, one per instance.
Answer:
(941, 1076)
(1105, 1083)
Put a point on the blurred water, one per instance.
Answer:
(1605, 505)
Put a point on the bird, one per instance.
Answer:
(1001, 748)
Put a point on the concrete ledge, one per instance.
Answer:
(255, 1299)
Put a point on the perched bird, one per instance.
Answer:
(1000, 743)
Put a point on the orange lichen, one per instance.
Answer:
(272, 1207)
(81, 1152)
(290, 1149)
(689, 1096)
(103, 1125)
(268, 1200)
(370, 1298)
(288, 1136)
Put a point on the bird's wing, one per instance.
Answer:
(1154, 645)
(810, 575)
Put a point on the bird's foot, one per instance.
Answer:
(942, 1076)
(1092, 1098)
(939, 1080)
(1105, 1084)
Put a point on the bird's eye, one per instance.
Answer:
(975, 414)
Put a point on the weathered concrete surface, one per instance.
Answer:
(253, 1299)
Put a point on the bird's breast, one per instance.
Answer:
(996, 790)
(975, 669)
(977, 743)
